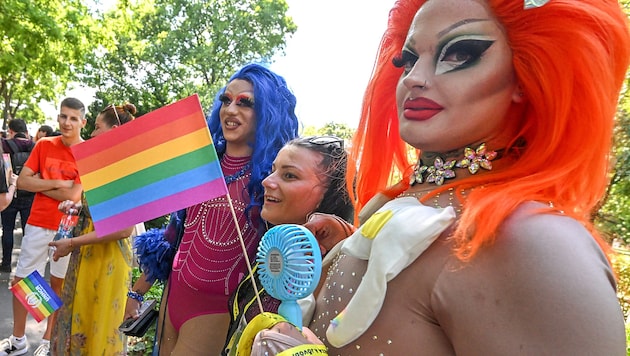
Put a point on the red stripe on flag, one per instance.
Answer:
(183, 108)
(107, 153)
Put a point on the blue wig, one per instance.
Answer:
(276, 123)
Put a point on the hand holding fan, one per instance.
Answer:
(290, 267)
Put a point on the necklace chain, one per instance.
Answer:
(452, 201)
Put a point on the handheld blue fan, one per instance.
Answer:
(290, 266)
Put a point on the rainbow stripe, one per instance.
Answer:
(36, 296)
(159, 163)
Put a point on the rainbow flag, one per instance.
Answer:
(159, 163)
(36, 296)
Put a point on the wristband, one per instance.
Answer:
(307, 349)
(136, 296)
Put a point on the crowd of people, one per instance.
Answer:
(483, 243)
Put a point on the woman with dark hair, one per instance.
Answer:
(99, 272)
(488, 248)
(307, 186)
(253, 116)
(43, 131)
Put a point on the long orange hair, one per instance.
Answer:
(570, 58)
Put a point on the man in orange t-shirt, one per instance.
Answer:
(51, 172)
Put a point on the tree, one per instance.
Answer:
(43, 44)
(340, 130)
(165, 50)
(614, 216)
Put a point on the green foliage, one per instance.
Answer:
(165, 50)
(42, 45)
(137, 346)
(614, 216)
(158, 222)
(621, 265)
(340, 130)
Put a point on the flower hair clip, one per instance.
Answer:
(532, 4)
(440, 170)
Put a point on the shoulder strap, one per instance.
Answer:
(15, 149)
(31, 146)
(13, 146)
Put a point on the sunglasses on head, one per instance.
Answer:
(115, 113)
(330, 144)
(332, 141)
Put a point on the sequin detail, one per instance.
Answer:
(210, 258)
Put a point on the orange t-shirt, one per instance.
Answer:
(52, 160)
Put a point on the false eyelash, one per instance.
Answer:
(246, 102)
(225, 99)
(403, 59)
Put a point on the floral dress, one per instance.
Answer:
(94, 296)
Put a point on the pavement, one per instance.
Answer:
(34, 330)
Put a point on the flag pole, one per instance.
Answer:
(249, 265)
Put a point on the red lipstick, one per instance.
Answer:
(420, 109)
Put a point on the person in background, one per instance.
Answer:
(253, 116)
(99, 273)
(19, 146)
(52, 174)
(6, 197)
(43, 131)
(487, 245)
(307, 186)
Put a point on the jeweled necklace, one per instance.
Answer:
(236, 176)
(441, 170)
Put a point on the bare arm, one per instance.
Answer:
(64, 247)
(54, 188)
(7, 198)
(73, 193)
(133, 306)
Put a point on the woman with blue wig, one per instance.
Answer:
(251, 119)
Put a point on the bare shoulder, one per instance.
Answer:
(550, 252)
(543, 284)
(533, 228)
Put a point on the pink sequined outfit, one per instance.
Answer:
(210, 263)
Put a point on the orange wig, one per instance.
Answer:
(570, 58)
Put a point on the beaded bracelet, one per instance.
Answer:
(136, 296)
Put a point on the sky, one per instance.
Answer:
(327, 61)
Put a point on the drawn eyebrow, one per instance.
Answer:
(457, 24)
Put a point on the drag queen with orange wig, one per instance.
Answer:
(486, 246)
